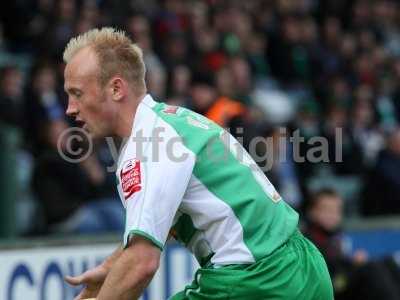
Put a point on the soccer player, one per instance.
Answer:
(179, 172)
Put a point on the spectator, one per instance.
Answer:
(10, 96)
(74, 197)
(179, 85)
(350, 272)
(324, 216)
(382, 189)
(224, 111)
(279, 166)
(43, 105)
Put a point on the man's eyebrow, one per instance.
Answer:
(72, 90)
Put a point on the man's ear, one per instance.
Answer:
(117, 88)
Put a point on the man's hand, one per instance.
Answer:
(93, 279)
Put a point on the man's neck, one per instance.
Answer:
(126, 117)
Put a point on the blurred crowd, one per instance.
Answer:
(263, 69)
(256, 68)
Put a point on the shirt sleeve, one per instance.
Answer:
(153, 188)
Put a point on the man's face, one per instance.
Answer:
(88, 102)
(327, 212)
(202, 96)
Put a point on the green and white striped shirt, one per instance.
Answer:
(197, 180)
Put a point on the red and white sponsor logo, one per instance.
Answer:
(131, 181)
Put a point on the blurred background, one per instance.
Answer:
(255, 67)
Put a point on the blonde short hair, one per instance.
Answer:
(116, 54)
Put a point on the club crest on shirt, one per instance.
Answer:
(169, 109)
(131, 181)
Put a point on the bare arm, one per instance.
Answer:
(132, 271)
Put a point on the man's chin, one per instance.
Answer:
(93, 133)
(90, 132)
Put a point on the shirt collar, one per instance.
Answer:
(148, 100)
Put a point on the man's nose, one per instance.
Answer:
(72, 109)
